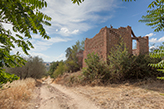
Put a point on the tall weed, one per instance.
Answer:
(96, 69)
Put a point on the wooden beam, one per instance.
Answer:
(135, 38)
(133, 33)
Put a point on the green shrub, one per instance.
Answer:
(140, 68)
(53, 67)
(60, 70)
(119, 62)
(72, 66)
(124, 66)
(120, 66)
(96, 69)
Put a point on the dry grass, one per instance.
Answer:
(139, 94)
(70, 79)
(122, 96)
(18, 95)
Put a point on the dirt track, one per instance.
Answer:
(54, 96)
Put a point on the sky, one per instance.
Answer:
(71, 22)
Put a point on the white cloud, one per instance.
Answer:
(161, 39)
(43, 56)
(42, 45)
(65, 32)
(36, 36)
(60, 57)
(49, 58)
(155, 40)
(75, 31)
(150, 34)
(71, 18)
(151, 47)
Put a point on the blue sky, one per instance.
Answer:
(71, 22)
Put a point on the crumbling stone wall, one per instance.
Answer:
(107, 38)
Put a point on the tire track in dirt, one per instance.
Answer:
(77, 100)
(55, 96)
(52, 98)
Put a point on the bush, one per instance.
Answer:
(33, 68)
(60, 70)
(72, 62)
(140, 69)
(119, 62)
(53, 67)
(124, 66)
(72, 66)
(96, 69)
(120, 66)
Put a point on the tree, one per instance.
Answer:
(25, 18)
(59, 70)
(72, 60)
(33, 68)
(53, 67)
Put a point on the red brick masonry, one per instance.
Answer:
(107, 38)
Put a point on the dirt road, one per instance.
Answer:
(54, 96)
(115, 96)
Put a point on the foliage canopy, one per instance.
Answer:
(158, 53)
(71, 55)
(24, 18)
(155, 16)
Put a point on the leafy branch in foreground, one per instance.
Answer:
(25, 18)
(155, 16)
(158, 53)
(77, 1)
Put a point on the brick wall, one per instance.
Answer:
(107, 38)
(96, 44)
(142, 45)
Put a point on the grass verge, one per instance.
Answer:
(17, 95)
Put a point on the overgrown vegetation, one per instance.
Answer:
(120, 66)
(71, 64)
(33, 68)
(72, 60)
(124, 66)
(96, 69)
(53, 67)
(59, 70)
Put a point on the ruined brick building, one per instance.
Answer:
(102, 43)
